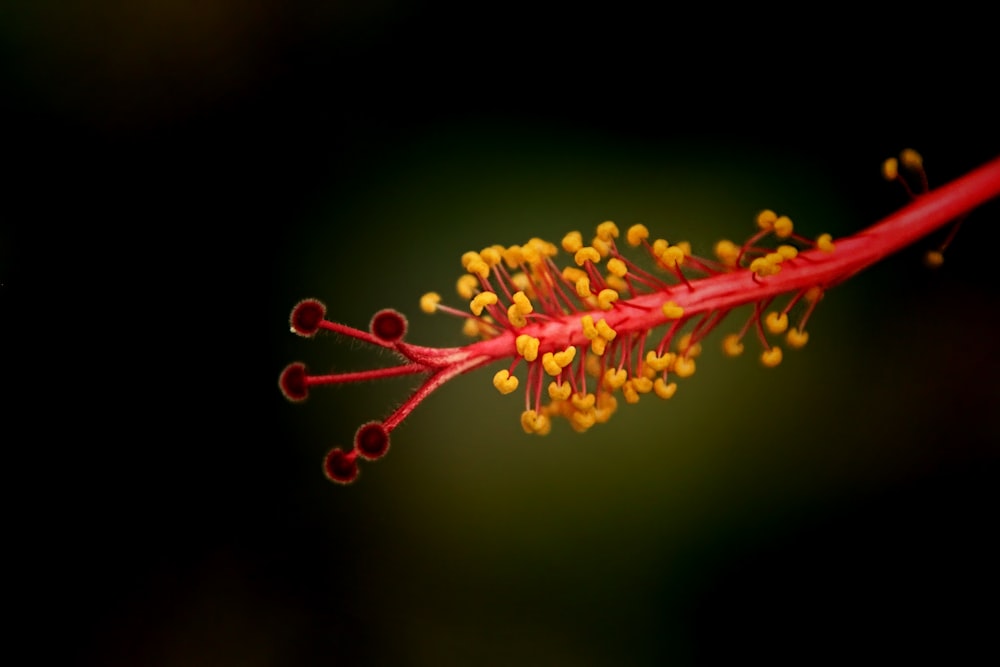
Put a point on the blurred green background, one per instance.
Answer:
(187, 171)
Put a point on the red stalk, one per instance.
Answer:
(558, 329)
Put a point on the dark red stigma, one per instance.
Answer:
(388, 325)
(293, 382)
(340, 467)
(371, 441)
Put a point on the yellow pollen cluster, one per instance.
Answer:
(518, 311)
(481, 301)
(504, 382)
(599, 334)
(429, 302)
(732, 346)
(890, 169)
(555, 362)
(825, 243)
(509, 287)
(636, 234)
(768, 265)
(672, 311)
(911, 159)
(771, 357)
(797, 339)
(533, 422)
(527, 347)
(727, 252)
(776, 323)
(606, 298)
(586, 254)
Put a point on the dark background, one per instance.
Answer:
(181, 173)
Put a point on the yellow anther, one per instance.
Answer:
(599, 345)
(583, 287)
(543, 247)
(648, 372)
(606, 406)
(617, 267)
(911, 159)
(636, 234)
(763, 266)
(813, 294)
(890, 169)
(663, 389)
(467, 286)
(571, 274)
(732, 346)
(565, 358)
(613, 379)
(522, 283)
(504, 382)
(513, 256)
(797, 339)
(482, 300)
(685, 247)
(472, 327)
(516, 316)
(607, 230)
(469, 257)
(593, 365)
(583, 401)
(934, 258)
(605, 330)
(532, 422)
(589, 330)
(788, 251)
(772, 357)
(581, 421)
(686, 348)
(559, 392)
(783, 227)
(479, 267)
(492, 255)
(659, 247)
(606, 299)
(530, 254)
(572, 242)
(643, 385)
(550, 365)
(630, 392)
(429, 302)
(727, 252)
(527, 346)
(684, 367)
(774, 257)
(766, 218)
(601, 246)
(617, 284)
(659, 363)
(522, 302)
(673, 256)
(825, 243)
(672, 311)
(583, 255)
(776, 322)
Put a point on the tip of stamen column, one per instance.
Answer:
(371, 441)
(389, 325)
(292, 382)
(307, 316)
(340, 467)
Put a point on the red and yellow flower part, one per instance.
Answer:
(620, 316)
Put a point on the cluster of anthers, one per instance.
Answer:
(610, 326)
